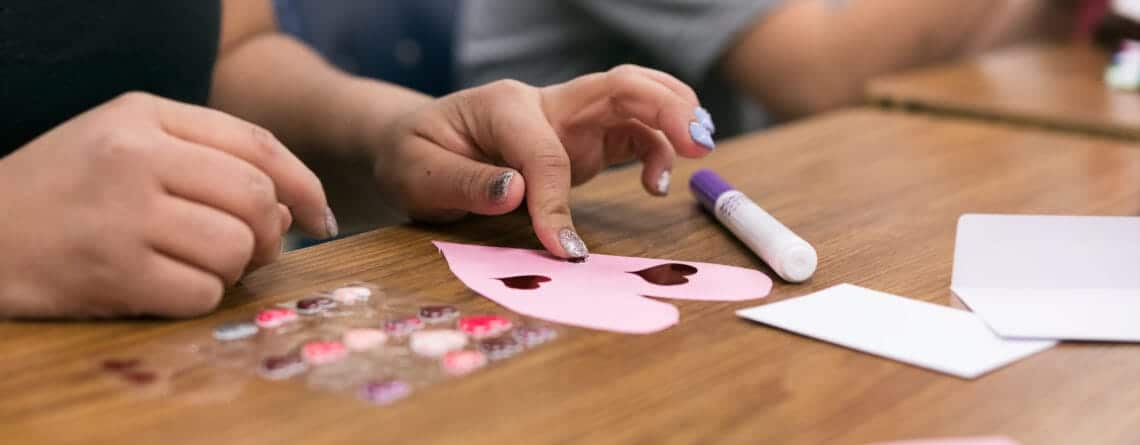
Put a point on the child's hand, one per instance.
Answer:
(146, 206)
(465, 152)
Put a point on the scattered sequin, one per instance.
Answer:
(484, 326)
(275, 317)
(383, 392)
(235, 330)
(500, 348)
(119, 365)
(324, 352)
(532, 336)
(314, 305)
(140, 377)
(403, 326)
(437, 343)
(458, 363)
(352, 294)
(438, 314)
(282, 367)
(364, 339)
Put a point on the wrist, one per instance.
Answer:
(380, 112)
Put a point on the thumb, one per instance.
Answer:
(444, 184)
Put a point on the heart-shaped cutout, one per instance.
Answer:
(669, 274)
(525, 282)
(597, 294)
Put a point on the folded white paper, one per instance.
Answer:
(1054, 277)
(911, 331)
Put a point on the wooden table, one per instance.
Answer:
(1059, 87)
(878, 193)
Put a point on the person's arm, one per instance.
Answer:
(271, 78)
(814, 55)
(483, 150)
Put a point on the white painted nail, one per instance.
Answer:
(663, 182)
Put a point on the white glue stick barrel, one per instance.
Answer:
(785, 252)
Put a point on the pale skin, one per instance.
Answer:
(810, 56)
(148, 206)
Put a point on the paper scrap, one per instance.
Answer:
(923, 334)
(1051, 277)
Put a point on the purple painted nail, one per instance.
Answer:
(705, 119)
(701, 135)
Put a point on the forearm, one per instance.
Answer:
(811, 56)
(315, 109)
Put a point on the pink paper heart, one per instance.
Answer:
(605, 292)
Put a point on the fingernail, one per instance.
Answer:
(330, 223)
(701, 135)
(501, 186)
(572, 243)
(705, 119)
(663, 182)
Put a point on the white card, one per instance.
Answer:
(911, 331)
(1055, 277)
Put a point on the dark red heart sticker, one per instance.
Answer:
(669, 274)
(526, 282)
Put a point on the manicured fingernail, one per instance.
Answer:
(701, 135)
(705, 119)
(501, 186)
(572, 243)
(663, 182)
(331, 227)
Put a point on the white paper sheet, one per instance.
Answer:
(1054, 277)
(911, 331)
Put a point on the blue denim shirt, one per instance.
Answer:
(407, 42)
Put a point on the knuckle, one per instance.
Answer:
(260, 190)
(625, 69)
(263, 142)
(135, 103)
(202, 296)
(553, 160)
(469, 183)
(624, 73)
(244, 241)
(509, 88)
(235, 260)
(555, 207)
(105, 263)
(134, 99)
(116, 145)
(239, 251)
(314, 183)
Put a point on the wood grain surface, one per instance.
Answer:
(1059, 87)
(878, 193)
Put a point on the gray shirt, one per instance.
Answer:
(544, 42)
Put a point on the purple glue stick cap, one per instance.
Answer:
(707, 186)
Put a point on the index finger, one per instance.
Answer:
(630, 92)
(297, 187)
(531, 145)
